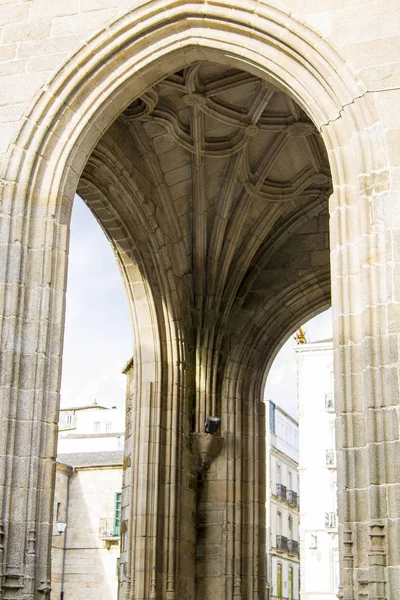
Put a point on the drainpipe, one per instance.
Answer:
(65, 535)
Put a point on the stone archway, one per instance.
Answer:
(58, 138)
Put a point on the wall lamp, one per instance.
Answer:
(212, 424)
(61, 525)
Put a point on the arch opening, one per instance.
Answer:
(178, 349)
(302, 508)
(222, 181)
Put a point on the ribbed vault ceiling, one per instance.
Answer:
(238, 179)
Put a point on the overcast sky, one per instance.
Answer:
(281, 382)
(98, 339)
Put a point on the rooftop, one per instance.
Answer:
(92, 459)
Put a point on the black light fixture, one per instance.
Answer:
(212, 424)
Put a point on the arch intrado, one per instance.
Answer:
(44, 164)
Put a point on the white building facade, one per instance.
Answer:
(91, 428)
(319, 554)
(282, 505)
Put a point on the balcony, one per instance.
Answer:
(329, 403)
(109, 532)
(293, 546)
(330, 520)
(281, 491)
(281, 542)
(330, 459)
(291, 497)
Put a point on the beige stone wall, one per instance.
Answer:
(63, 473)
(38, 36)
(91, 558)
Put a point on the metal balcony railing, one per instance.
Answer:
(330, 520)
(281, 542)
(330, 459)
(108, 529)
(329, 402)
(281, 491)
(291, 497)
(293, 546)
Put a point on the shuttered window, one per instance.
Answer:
(117, 513)
(279, 580)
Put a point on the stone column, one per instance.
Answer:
(34, 239)
(365, 244)
(230, 546)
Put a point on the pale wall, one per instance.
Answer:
(90, 568)
(60, 498)
(318, 483)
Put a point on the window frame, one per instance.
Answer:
(117, 513)
(290, 583)
(279, 580)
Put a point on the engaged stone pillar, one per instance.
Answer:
(365, 216)
(230, 540)
(33, 273)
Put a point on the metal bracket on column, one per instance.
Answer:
(205, 447)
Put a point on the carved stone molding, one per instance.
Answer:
(205, 447)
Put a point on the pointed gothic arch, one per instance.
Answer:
(45, 161)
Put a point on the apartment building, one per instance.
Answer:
(319, 554)
(91, 428)
(282, 505)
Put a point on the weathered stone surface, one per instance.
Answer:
(210, 205)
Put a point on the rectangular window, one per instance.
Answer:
(117, 513)
(290, 483)
(278, 523)
(96, 427)
(108, 426)
(69, 419)
(279, 581)
(290, 583)
(272, 416)
(290, 527)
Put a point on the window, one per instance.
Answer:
(290, 527)
(117, 514)
(278, 473)
(290, 583)
(279, 581)
(108, 426)
(69, 419)
(96, 427)
(278, 523)
(290, 482)
(272, 416)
